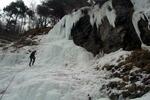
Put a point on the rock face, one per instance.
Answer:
(100, 2)
(124, 11)
(106, 37)
(86, 35)
(145, 31)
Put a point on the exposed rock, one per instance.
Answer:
(127, 67)
(114, 96)
(124, 11)
(143, 27)
(106, 37)
(121, 85)
(112, 85)
(112, 38)
(86, 36)
(100, 2)
(146, 80)
(125, 94)
(132, 88)
(126, 78)
(116, 74)
(147, 68)
(123, 7)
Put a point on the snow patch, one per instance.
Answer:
(112, 58)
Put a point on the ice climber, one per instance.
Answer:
(89, 97)
(32, 58)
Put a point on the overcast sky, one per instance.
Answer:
(3, 3)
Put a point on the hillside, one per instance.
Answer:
(100, 52)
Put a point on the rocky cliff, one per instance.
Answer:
(104, 36)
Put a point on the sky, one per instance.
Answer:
(3, 3)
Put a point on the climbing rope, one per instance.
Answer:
(4, 91)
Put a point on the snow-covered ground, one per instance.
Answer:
(57, 82)
(63, 71)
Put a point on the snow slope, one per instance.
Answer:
(63, 71)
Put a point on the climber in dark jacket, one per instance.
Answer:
(32, 58)
(89, 97)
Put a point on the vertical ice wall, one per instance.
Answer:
(58, 47)
(97, 14)
(62, 29)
